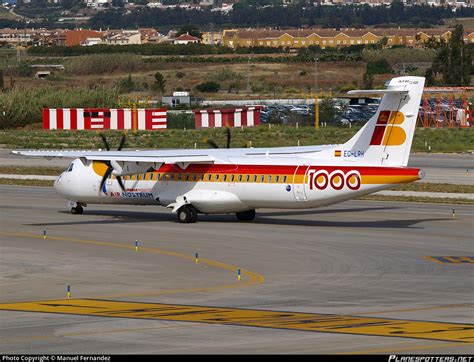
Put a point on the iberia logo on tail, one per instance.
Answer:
(387, 131)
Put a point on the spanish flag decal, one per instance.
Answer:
(337, 153)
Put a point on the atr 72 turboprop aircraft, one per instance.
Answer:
(211, 181)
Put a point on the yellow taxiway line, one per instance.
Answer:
(326, 323)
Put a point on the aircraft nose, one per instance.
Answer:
(61, 184)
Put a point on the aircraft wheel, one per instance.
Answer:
(187, 214)
(245, 215)
(78, 210)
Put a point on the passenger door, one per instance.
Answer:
(299, 182)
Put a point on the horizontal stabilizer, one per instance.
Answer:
(363, 92)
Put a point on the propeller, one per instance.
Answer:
(110, 168)
(215, 145)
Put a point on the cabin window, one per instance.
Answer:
(187, 177)
(262, 178)
(194, 177)
(217, 177)
(277, 179)
(232, 178)
(180, 177)
(247, 179)
(144, 177)
(152, 176)
(269, 179)
(284, 179)
(240, 178)
(254, 178)
(209, 177)
(225, 178)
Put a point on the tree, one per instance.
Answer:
(453, 61)
(367, 79)
(328, 111)
(1, 78)
(189, 29)
(381, 66)
(24, 69)
(127, 84)
(430, 77)
(160, 83)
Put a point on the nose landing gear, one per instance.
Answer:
(77, 210)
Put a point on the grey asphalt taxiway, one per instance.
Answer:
(382, 271)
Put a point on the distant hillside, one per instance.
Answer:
(280, 16)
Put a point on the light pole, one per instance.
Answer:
(316, 100)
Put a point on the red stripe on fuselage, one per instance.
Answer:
(286, 170)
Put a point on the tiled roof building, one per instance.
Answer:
(297, 38)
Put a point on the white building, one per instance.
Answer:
(125, 37)
(97, 3)
(92, 41)
(186, 39)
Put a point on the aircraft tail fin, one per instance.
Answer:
(387, 137)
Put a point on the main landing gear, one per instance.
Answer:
(245, 215)
(187, 214)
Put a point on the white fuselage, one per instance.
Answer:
(243, 184)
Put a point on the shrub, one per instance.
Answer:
(24, 69)
(127, 84)
(102, 63)
(208, 87)
(226, 74)
(180, 121)
(24, 106)
(380, 66)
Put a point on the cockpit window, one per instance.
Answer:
(69, 169)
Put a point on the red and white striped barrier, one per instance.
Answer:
(228, 117)
(104, 118)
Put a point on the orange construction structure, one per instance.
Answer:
(449, 114)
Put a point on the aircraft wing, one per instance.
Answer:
(173, 156)
(124, 156)
(129, 162)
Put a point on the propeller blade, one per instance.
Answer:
(106, 144)
(212, 143)
(105, 177)
(120, 182)
(229, 137)
(122, 142)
